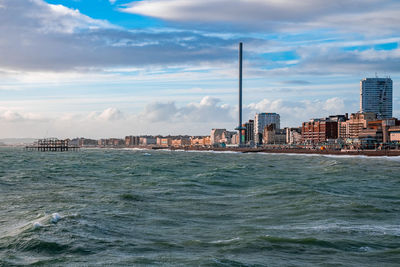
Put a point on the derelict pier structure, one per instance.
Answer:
(51, 145)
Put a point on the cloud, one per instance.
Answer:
(208, 110)
(157, 112)
(294, 113)
(156, 118)
(234, 11)
(296, 82)
(166, 118)
(320, 60)
(12, 116)
(359, 15)
(109, 114)
(36, 36)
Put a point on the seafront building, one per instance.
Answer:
(147, 140)
(273, 136)
(222, 137)
(394, 134)
(353, 127)
(249, 132)
(132, 140)
(164, 141)
(293, 135)
(264, 119)
(180, 142)
(376, 95)
(83, 142)
(200, 141)
(319, 131)
(216, 136)
(372, 127)
(111, 142)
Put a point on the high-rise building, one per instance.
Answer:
(249, 131)
(264, 119)
(376, 95)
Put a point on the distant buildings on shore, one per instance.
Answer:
(262, 120)
(371, 127)
(376, 96)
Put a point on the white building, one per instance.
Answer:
(293, 135)
(263, 119)
(216, 135)
(376, 95)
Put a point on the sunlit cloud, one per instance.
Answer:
(67, 73)
(365, 16)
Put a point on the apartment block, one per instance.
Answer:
(319, 131)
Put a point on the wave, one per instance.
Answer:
(296, 243)
(302, 241)
(211, 151)
(376, 230)
(32, 225)
(394, 158)
(135, 149)
(242, 244)
(224, 242)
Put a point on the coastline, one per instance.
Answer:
(369, 153)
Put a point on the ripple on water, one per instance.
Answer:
(197, 209)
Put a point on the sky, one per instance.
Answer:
(111, 68)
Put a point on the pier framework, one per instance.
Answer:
(51, 145)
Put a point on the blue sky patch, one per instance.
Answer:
(104, 10)
(281, 56)
(387, 46)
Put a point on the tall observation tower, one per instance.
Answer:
(240, 127)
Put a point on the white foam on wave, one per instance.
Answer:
(286, 154)
(365, 249)
(225, 241)
(55, 217)
(393, 158)
(41, 221)
(209, 151)
(135, 149)
(37, 225)
(386, 229)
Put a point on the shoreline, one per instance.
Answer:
(369, 153)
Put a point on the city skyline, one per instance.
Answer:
(113, 68)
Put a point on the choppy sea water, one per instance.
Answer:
(163, 208)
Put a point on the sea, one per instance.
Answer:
(127, 207)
